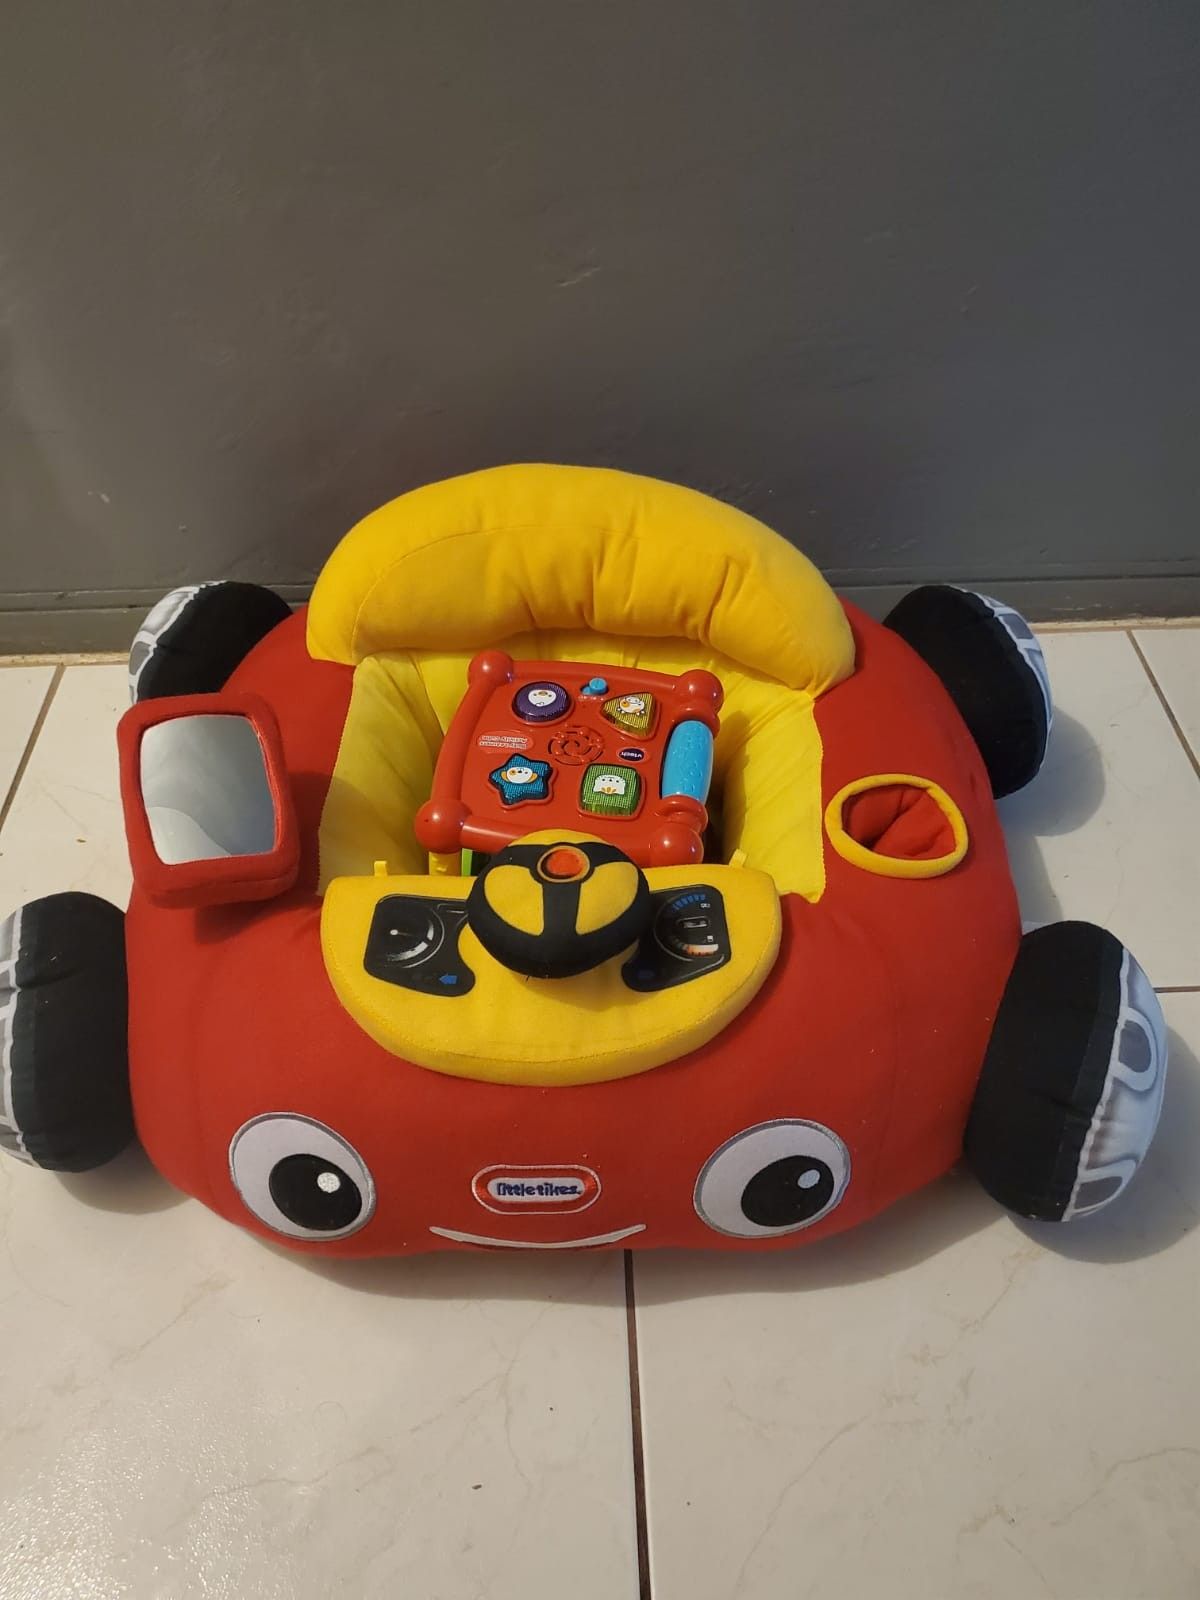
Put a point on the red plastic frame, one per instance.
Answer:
(463, 810)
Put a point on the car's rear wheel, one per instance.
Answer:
(993, 669)
(195, 636)
(64, 1070)
(1072, 1083)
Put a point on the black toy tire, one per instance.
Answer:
(64, 1068)
(1072, 1082)
(993, 669)
(194, 637)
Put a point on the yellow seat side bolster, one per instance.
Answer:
(383, 772)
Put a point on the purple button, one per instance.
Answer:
(541, 702)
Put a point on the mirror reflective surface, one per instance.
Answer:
(205, 789)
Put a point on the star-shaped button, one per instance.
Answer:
(522, 779)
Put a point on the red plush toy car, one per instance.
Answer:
(612, 1006)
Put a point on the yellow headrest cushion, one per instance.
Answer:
(462, 564)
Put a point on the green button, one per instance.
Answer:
(609, 790)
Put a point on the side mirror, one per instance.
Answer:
(208, 813)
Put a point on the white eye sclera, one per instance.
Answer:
(772, 1179)
(300, 1178)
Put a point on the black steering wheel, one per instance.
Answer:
(553, 907)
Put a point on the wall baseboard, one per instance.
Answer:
(87, 623)
(104, 621)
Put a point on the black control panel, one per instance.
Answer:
(413, 943)
(687, 937)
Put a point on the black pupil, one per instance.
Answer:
(790, 1190)
(314, 1193)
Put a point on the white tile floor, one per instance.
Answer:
(943, 1404)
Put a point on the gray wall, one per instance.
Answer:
(914, 280)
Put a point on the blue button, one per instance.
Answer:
(449, 979)
(687, 764)
(596, 686)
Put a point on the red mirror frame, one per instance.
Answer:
(222, 880)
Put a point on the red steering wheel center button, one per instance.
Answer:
(563, 864)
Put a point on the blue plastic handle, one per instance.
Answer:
(687, 765)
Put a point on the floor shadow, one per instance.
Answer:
(553, 1277)
(914, 1230)
(128, 1184)
(1062, 797)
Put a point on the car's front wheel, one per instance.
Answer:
(1072, 1083)
(64, 1067)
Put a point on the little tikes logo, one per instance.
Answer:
(535, 1190)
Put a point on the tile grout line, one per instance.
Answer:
(635, 1413)
(65, 658)
(1164, 702)
(39, 723)
(1181, 988)
(1113, 624)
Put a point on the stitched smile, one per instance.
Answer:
(531, 1244)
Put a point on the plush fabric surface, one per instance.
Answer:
(872, 1023)
(476, 559)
